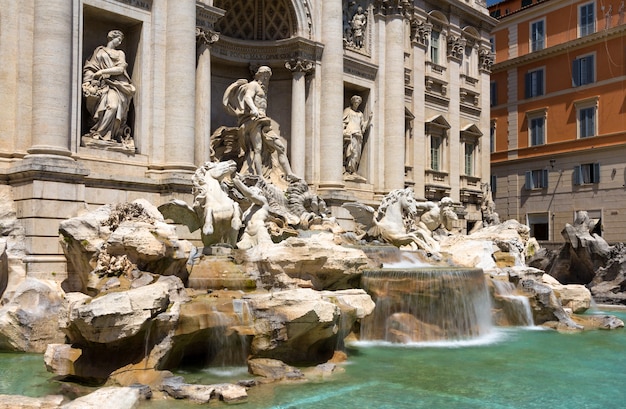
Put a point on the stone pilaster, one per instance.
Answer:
(331, 110)
(52, 73)
(394, 98)
(180, 87)
(299, 69)
(204, 40)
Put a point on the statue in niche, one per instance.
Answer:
(355, 129)
(358, 23)
(108, 92)
(349, 10)
(248, 102)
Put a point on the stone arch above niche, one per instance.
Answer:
(257, 20)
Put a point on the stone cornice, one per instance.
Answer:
(271, 52)
(392, 7)
(562, 48)
(207, 16)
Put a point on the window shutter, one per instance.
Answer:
(494, 179)
(544, 178)
(528, 85)
(578, 175)
(540, 82)
(529, 180)
(596, 173)
(575, 73)
(589, 69)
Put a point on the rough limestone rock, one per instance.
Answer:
(61, 358)
(177, 388)
(111, 397)
(583, 253)
(131, 235)
(116, 316)
(29, 321)
(573, 296)
(12, 246)
(490, 248)
(273, 370)
(317, 259)
(545, 305)
(136, 324)
(26, 402)
(609, 283)
(296, 326)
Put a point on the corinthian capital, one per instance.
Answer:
(299, 65)
(206, 36)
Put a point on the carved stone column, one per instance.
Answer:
(52, 67)
(331, 109)
(180, 89)
(394, 95)
(204, 40)
(299, 68)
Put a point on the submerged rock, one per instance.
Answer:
(112, 397)
(26, 402)
(273, 369)
(178, 389)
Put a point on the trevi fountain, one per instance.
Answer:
(273, 302)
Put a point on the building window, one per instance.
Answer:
(534, 83)
(493, 89)
(539, 225)
(492, 43)
(469, 158)
(583, 70)
(587, 173)
(435, 152)
(586, 122)
(536, 129)
(536, 179)
(494, 181)
(526, 3)
(586, 20)
(471, 66)
(492, 137)
(434, 47)
(537, 36)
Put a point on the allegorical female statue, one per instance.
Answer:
(108, 91)
(355, 127)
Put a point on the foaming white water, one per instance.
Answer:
(226, 371)
(407, 260)
(493, 337)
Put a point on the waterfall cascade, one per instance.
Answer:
(427, 304)
(515, 308)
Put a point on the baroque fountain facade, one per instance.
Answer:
(217, 182)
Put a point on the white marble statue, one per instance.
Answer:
(255, 217)
(213, 210)
(355, 128)
(358, 23)
(248, 102)
(108, 92)
(394, 221)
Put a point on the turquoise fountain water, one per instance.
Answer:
(510, 368)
